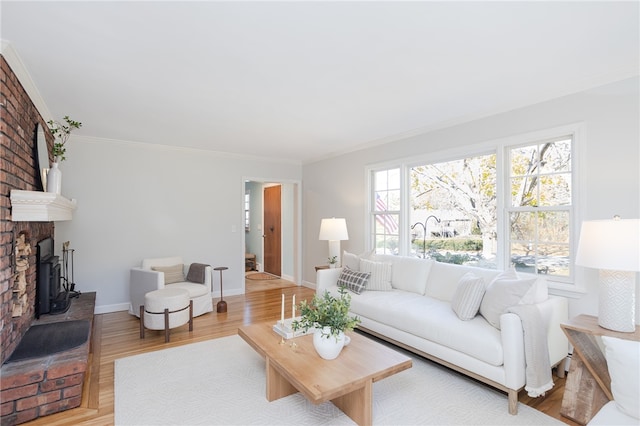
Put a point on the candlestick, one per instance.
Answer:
(282, 311)
(293, 307)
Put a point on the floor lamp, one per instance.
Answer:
(334, 230)
(612, 246)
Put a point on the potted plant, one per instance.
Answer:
(333, 260)
(61, 133)
(329, 316)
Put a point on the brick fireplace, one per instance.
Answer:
(29, 389)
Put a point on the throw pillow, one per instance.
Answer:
(354, 281)
(172, 274)
(623, 362)
(504, 291)
(350, 260)
(353, 260)
(466, 301)
(380, 279)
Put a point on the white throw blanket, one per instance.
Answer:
(536, 349)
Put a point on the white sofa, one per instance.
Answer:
(145, 279)
(415, 312)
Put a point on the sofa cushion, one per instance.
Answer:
(623, 362)
(466, 301)
(443, 278)
(380, 279)
(353, 260)
(172, 274)
(354, 281)
(504, 291)
(430, 319)
(407, 273)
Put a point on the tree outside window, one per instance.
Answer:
(453, 211)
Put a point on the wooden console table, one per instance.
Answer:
(588, 385)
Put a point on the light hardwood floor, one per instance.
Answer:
(116, 335)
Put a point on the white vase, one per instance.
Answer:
(54, 179)
(327, 346)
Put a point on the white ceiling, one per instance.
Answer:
(306, 80)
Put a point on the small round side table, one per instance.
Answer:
(221, 307)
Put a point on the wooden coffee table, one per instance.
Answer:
(346, 381)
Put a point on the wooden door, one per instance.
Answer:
(272, 230)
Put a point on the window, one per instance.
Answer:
(539, 207)
(453, 211)
(386, 210)
(510, 204)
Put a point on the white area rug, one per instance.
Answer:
(222, 382)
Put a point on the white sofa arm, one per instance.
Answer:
(142, 281)
(513, 348)
(326, 278)
(555, 309)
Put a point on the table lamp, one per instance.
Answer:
(612, 246)
(334, 230)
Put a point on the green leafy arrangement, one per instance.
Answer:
(333, 259)
(61, 133)
(327, 311)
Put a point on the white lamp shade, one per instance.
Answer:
(610, 244)
(334, 229)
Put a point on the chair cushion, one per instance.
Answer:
(195, 290)
(172, 274)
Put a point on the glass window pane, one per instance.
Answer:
(553, 259)
(556, 156)
(394, 179)
(524, 192)
(393, 200)
(380, 179)
(555, 190)
(453, 214)
(523, 160)
(553, 227)
(523, 227)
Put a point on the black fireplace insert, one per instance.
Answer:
(50, 296)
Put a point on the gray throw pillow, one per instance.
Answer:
(353, 280)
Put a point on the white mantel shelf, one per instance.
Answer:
(39, 206)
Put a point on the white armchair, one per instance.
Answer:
(151, 276)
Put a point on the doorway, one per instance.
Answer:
(272, 228)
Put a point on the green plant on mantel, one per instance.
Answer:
(327, 311)
(61, 133)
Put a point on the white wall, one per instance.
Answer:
(139, 200)
(610, 185)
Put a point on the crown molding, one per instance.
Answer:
(20, 70)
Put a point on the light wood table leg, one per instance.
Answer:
(277, 385)
(358, 405)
